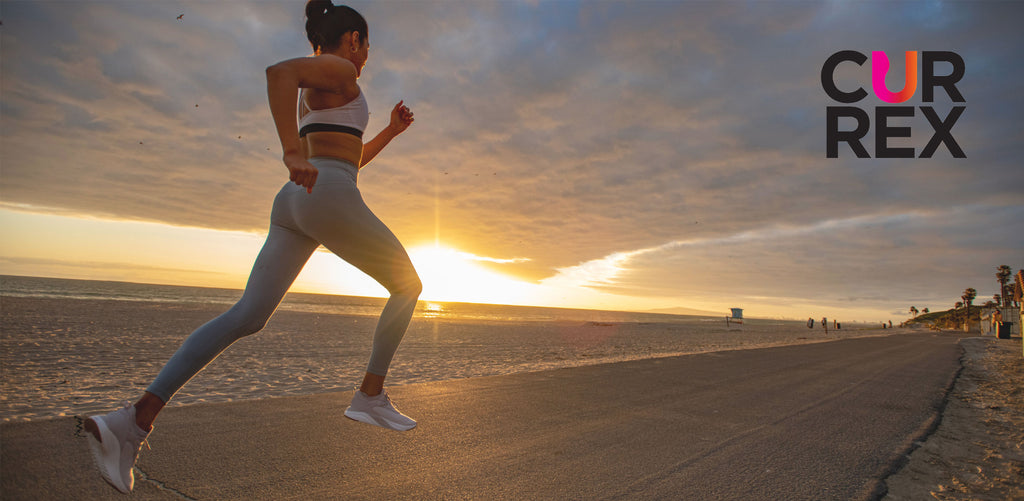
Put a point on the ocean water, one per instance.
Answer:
(57, 288)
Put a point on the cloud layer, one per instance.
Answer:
(671, 150)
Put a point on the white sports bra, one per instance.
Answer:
(350, 118)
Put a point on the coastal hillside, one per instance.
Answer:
(948, 319)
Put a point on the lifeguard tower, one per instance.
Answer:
(735, 321)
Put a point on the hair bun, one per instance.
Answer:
(326, 23)
(318, 8)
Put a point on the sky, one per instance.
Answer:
(596, 154)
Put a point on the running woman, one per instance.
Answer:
(320, 205)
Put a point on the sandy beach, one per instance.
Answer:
(64, 357)
(977, 451)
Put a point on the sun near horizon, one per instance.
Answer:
(452, 275)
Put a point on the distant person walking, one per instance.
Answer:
(321, 205)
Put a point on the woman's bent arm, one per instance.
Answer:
(373, 147)
(326, 72)
(401, 119)
(282, 92)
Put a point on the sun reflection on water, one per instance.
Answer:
(432, 310)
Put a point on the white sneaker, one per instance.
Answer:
(117, 446)
(378, 411)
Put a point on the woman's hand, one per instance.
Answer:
(401, 118)
(300, 171)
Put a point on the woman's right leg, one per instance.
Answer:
(279, 262)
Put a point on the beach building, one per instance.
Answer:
(1014, 314)
(988, 321)
(735, 320)
(1018, 298)
(1018, 290)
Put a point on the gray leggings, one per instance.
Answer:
(333, 215)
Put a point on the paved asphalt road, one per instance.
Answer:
(818, 421)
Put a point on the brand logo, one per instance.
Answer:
(941, 126)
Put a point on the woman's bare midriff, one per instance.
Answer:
(333, 144)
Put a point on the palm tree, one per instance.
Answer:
(969, 295)
(925, 311)
(956, 312)
(913, 311)
(1003, 274)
